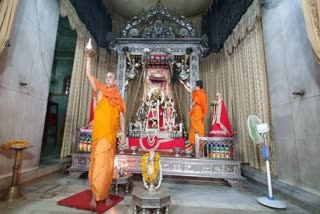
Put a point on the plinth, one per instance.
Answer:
(14, 190)
(124, 180)
(158, 200)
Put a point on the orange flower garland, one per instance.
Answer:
(144, 168)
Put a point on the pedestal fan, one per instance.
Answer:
(258, 134)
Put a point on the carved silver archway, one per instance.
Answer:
(158, 22)
(178, 48)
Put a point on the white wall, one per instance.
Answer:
(291, 66)
(28, 59)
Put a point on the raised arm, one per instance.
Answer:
(90, 55)
(186, 87)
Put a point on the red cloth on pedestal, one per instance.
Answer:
(92, 105)
(221, 126)
(164, 143)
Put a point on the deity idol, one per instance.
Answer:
(169, 115)
(156, 98)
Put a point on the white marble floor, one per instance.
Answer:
(186, 197)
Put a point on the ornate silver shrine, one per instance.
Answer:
(159, 31)
(157, 39)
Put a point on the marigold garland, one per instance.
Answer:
(155, 173)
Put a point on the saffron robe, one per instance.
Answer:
(104, 135)
(197, 114)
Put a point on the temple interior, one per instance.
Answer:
(222, 104)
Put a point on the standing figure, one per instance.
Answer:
(132, 69)
(198, 110)
(108, 117)
(169, 115)
(153, 114)
(220, 120)
(184, 74)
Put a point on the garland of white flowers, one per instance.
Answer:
(151, 139)
(151, 149)
(159, 142)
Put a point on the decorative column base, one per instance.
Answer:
(12, 193)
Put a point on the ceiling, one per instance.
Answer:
(217, 22)
(130, 8)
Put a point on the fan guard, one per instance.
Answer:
(253, 121)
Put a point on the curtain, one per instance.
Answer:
(80, 90)
(8, 10)
(133, 96)
(311, 12)
(238, 72)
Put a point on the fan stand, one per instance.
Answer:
(269, 201)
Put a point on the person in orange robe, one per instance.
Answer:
(108, 116)
(198, 111)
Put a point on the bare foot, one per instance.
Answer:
(93, 203)
(108, 201)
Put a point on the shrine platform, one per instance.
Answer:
(229, 170)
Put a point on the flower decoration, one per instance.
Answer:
(154, 168)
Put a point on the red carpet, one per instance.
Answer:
(81, 201)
